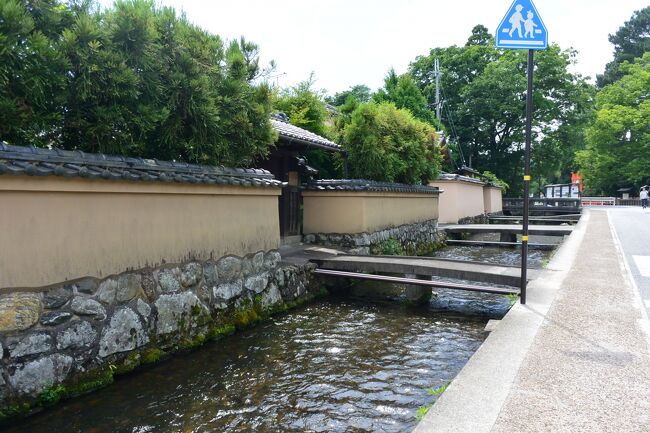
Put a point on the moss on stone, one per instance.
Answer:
(246, 317)
(389, 247)
(51, 395)
(217, 332)
(393, 247)
(193, 343)
(152, 355)
(80, 384)
(199, 340)
(86, 382)
(276, 309)
(130, 363)
(15, 410)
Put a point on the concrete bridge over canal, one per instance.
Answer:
(540, 230)
(418, 271)
(507, 232)
(427, 267)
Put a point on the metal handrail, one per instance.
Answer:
(598, 201)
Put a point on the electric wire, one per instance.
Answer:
(452, 126)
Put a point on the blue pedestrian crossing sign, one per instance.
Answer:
(522, 28)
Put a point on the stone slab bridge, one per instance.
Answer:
(508, 232)
(427, 266)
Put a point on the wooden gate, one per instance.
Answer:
(290, 204)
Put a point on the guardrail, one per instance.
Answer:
(567, 203)
(610, 201)
(598, 201)
(628, 202)
(543, 203)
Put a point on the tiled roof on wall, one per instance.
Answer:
(450, 176)
(367, 185)
(290, 133)
(33, 161)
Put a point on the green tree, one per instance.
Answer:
(32, 70)
(484, 91)
(305, 107)
(618, 141)
(360, 93)
(404, 93)
(631, 40)
(480, 36)
(134, 79)
(385, 143)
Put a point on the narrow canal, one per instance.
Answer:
(336, 365)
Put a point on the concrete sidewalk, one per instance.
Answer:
(576, 358)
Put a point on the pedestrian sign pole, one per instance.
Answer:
(523, 28)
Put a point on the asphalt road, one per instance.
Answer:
(632, 227)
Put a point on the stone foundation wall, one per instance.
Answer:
(413, 239)
(73, 337)
(479, 219)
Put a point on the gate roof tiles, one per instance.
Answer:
(292, 133)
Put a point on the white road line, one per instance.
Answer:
(625, 267)
(643, 265)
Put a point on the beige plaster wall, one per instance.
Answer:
(55, 229)
(460, 200)
(363, 211)
(492, 198)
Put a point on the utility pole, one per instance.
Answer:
(436, 72)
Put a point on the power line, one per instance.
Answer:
(453, 128)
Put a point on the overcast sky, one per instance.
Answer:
(348, 42)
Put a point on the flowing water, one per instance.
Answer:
(499, 256)
(335, 365)
(482, 303)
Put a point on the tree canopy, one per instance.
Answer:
(484, 90)
(385, 143)
(361, 93)
(404, 93)
(618, 141)
(135, 79)
(305, 107)
(631, 41)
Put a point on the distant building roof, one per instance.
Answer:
(293, 134)
(33, 161)
(367, 185)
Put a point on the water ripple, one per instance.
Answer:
(333, 366)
